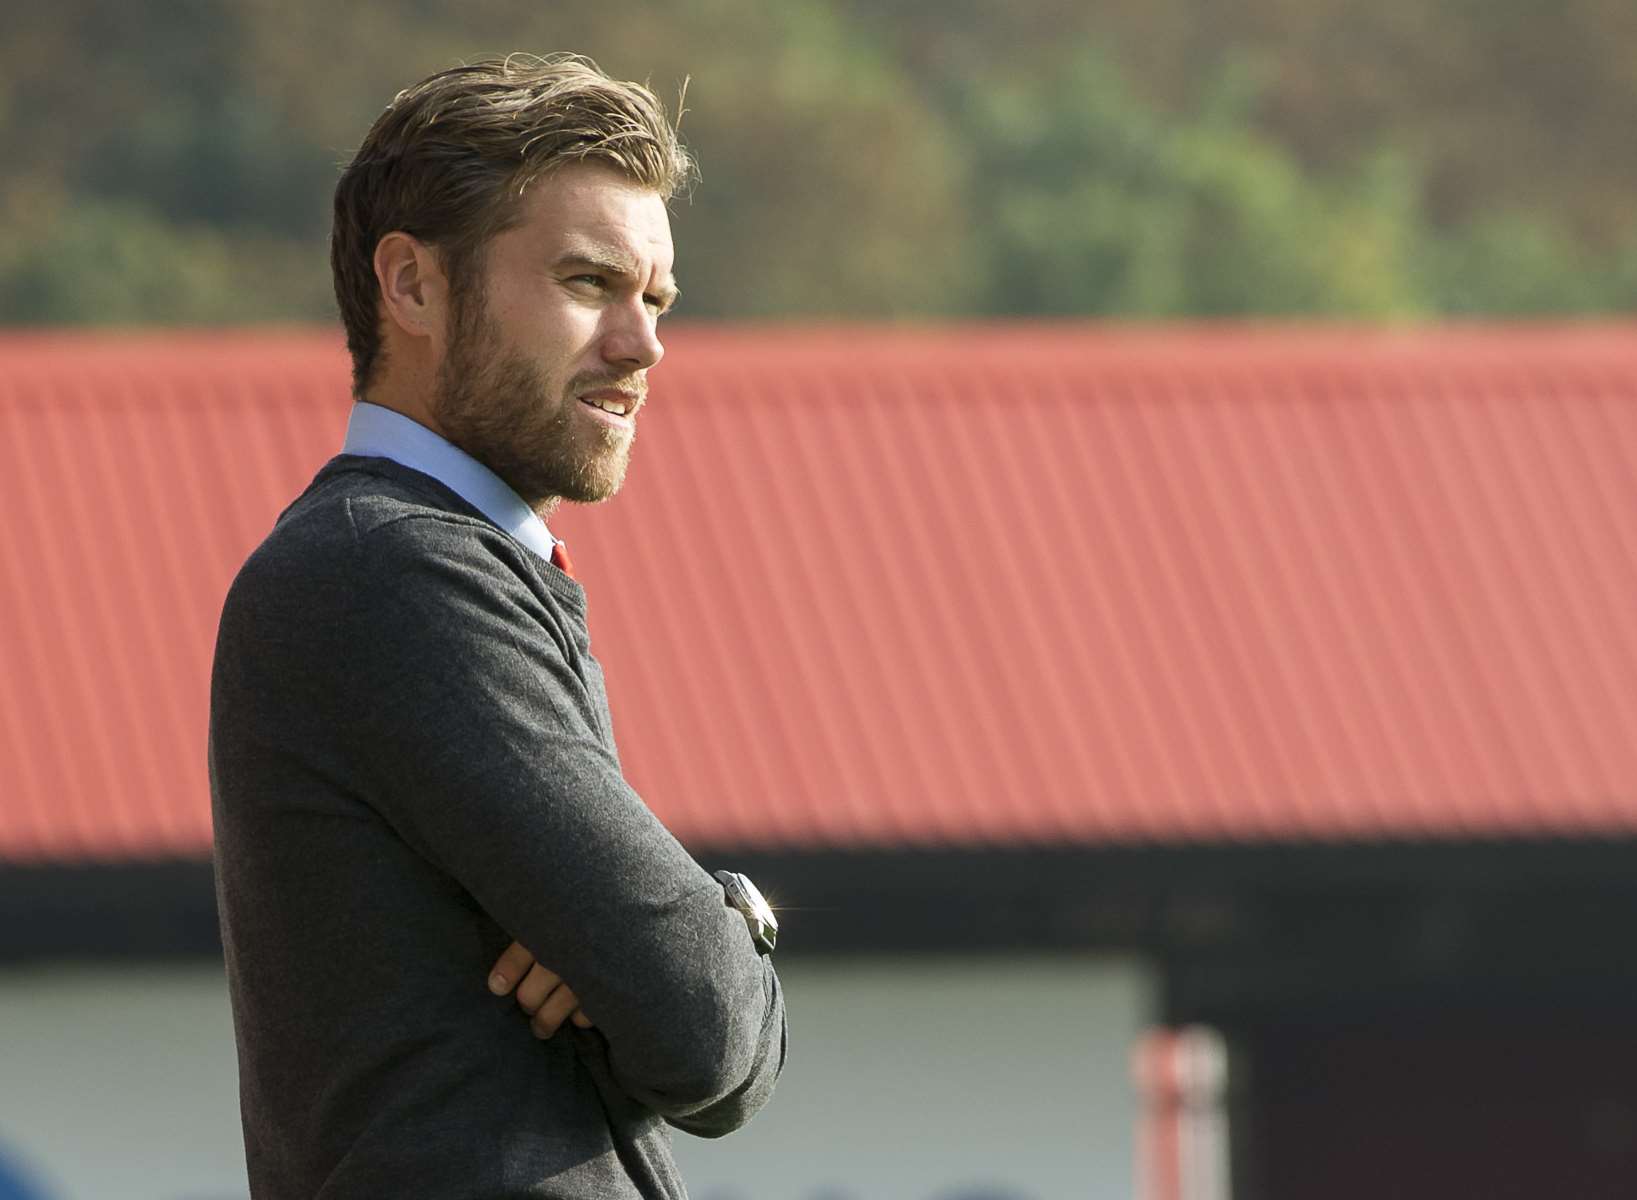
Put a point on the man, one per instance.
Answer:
(418, 803)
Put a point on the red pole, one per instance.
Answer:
(1182, 1127)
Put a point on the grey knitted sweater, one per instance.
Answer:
(411, 764)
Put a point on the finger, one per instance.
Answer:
(512, 964)
(536, 986)
(553, 1012)
(580, 1019)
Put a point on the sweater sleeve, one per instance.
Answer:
(486, 755)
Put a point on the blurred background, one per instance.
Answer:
(171, 162)
(1160, 483)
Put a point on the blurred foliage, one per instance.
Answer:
(171, 160)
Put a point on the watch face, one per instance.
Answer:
(758, 903)
(748, 899)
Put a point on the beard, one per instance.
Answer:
(499, 407)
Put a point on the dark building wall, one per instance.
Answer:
(1425, 1022)
(1442, 1105)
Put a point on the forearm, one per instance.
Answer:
(693, 1015)
(710, 1096)
(744, 1087)
(644, 938)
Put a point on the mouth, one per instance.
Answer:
(611, 406)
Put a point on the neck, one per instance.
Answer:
(405, 385)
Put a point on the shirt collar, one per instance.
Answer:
(375, 431)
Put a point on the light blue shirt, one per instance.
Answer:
(378, 432)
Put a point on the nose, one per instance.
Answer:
(631, 340)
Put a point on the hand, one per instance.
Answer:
(540, 993)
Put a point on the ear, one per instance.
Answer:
(414, 292)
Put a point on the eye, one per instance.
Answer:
(596, 281)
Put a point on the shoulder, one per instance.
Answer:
(362, 522)
(353, 499)
(376, 510)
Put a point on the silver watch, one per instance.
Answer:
(758, 914)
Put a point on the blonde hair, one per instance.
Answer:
(450, 158)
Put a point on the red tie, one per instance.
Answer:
(560, 560)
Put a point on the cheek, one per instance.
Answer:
(551, 333)
(563, 334)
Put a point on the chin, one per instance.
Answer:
(595, 481)
(595, 491)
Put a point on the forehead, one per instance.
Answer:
(588, 209)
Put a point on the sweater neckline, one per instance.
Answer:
(444, 496)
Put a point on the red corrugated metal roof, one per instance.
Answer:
(994, 585)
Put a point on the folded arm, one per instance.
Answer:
(491, 760)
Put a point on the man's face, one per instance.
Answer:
(558, 322)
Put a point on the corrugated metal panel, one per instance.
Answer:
(135, 475)
(1003, 585)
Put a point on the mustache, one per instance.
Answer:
(634, 386)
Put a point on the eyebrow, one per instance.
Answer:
(616, 264)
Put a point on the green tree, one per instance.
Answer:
(1095, 204)
(172, 160)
